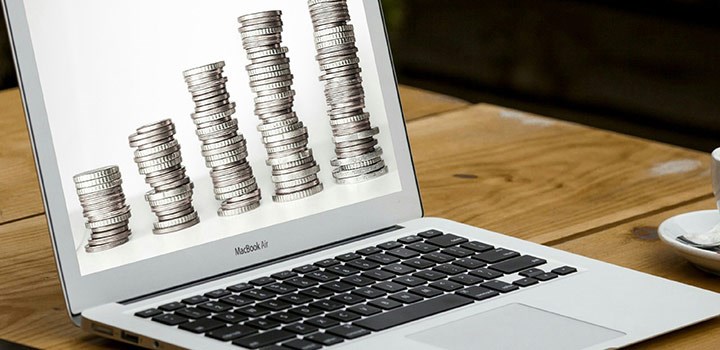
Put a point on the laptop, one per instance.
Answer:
(195, 257)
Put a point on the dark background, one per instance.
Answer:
(645, 68)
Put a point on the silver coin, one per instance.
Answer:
(296, 175)
(162, 231)
(187, 210)
(93, 242)
(108, 233)
(357, 135)
(361, 158)
(309, 163)
(165, 201)
(228, 160)
(298, 195)
(299, 188)
(237, 193)
(237, 211)
(202, 69)
(96, 173)
(104, 247)
(295, 183)
(293, 164)
(290, 158)
(154, 196)
(362, 178)
(160, 168)
(163, 187)
(285, 136)
(109, 213)
(98, 181)
(175, 222)
(338, 173)
(101, 187)
(234, 187)
(107, 222)
(286, 150)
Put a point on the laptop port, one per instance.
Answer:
(129, 337)
(102, 329)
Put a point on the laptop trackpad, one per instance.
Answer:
(515, 326)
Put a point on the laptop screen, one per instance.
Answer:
(175, 124)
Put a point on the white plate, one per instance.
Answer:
(693, 222)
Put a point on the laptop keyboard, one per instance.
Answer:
(357, 293)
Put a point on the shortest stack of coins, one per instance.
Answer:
(103, 202)
(158, 157)
(223, 147)
(358, 156)
(294, 169)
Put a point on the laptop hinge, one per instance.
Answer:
(263, 264)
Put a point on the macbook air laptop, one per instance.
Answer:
(352, 264)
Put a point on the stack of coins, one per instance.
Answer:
(103, 202)
(359, 158)
(223, 147)
(158, 157)
(294, 169)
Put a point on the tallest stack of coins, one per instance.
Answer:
(294, 169)
(358, 156)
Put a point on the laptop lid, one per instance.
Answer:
(91, 73)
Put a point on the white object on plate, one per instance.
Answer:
(709, 238)
(692, 223)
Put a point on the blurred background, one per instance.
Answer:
(644, 68)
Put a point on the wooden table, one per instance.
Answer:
(584, 190)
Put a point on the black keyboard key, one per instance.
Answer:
(518, 264)
(430, 233)
(306, 311)
(410, 281)
(363, 264)
(378, 275)
(324, 339)
(478, 293)
(447, 286)
(426, 292)
(421, 247)
(253, 311)
(496, 255)
(337, 286)
(264, 339)
(390, 287)
(170, 319)
(316, 293)
(344, 316)
(383, 259)
(327, 263)
(525, 282)
(477, 246)
(469, 263)
(413, 312)
(348, 299)
(450, 269)
(389, 245)
(385, 304)
(232, 332)
(299, 344)
(430, 275)
(369, 251)
(500, 286)
(457, 252)
(284, 317)
(399, 269)
(545, 276)
(403, 253)
(274, 305)
(191, 312)
(322, 322)
(531, 272)
(486, 273)
(280, 288)
(194, 300)
(262, 281)
(262, 324)
(447, 240)
(202, 325)
(296, 299)
(327, 305)
(305, 269)
(300, 282)
(300, 328)
(437, 257)
(148, 313)
(419, 263)
(236, 300)
(358, 281)
(409, 239)
(406, 297)
(343, 270)
(348, 331)
(322, 276)
(364, 310)
(283, 275)
(217, 294)
(258, 294)
(467, 280)
(564, 270)
(215, 306)
(239, 287)
(348, 257)
(230, 317)
(171, 306)
(369, 293)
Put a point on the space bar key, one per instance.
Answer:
(413, 312)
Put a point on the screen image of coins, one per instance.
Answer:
(353, 134)
(158, 157)
(223, 146)
(284, 135)
(103, 203)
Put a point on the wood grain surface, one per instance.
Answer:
(418, 103)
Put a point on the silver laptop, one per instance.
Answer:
(286, 214)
